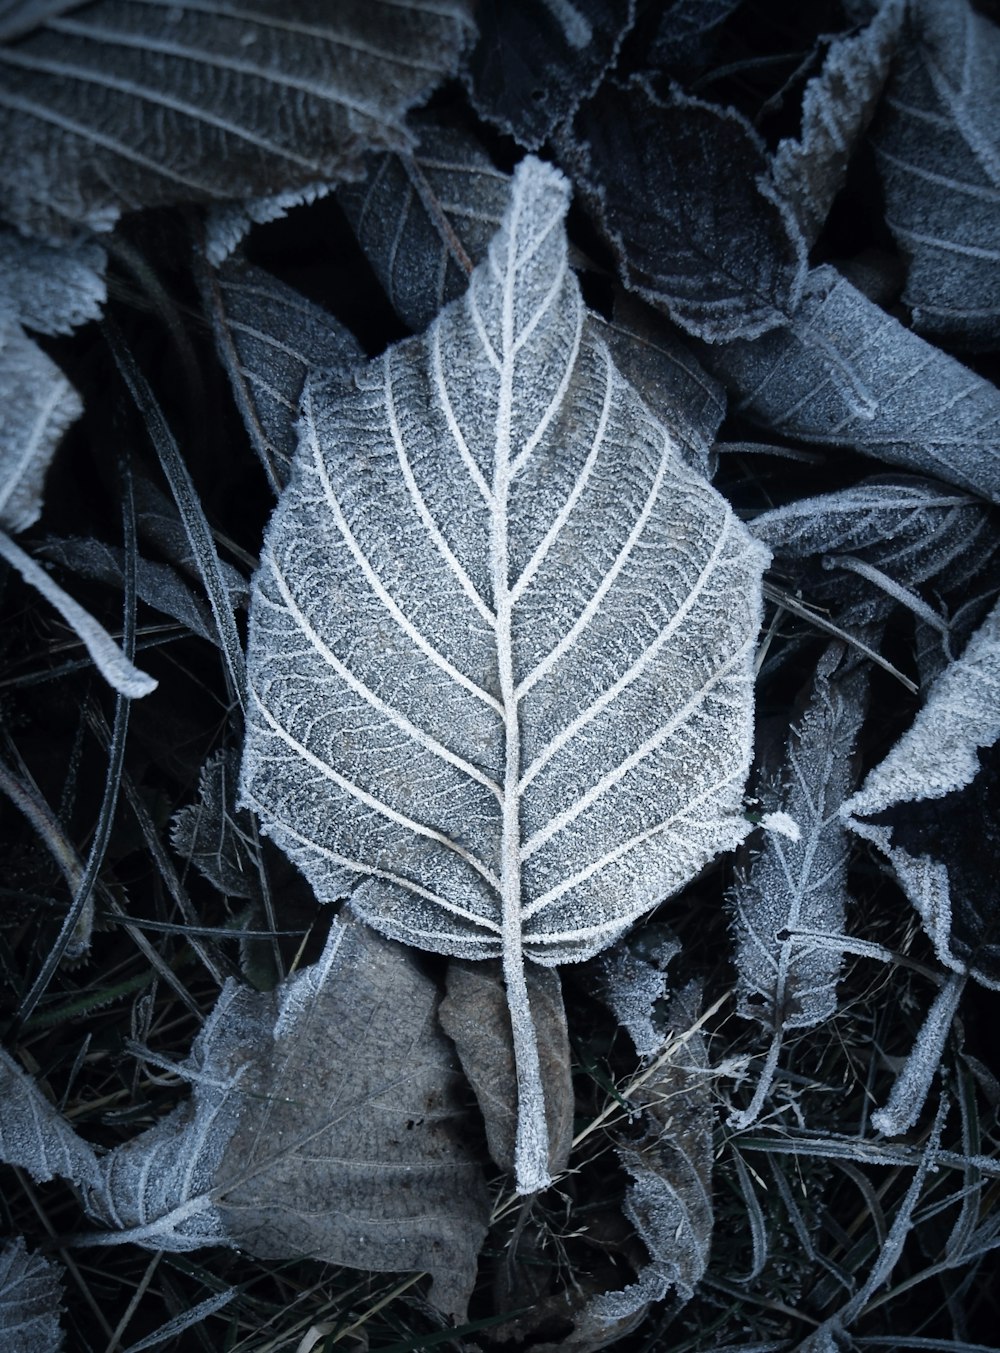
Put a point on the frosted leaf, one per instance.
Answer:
(30, 1298)
(837, 107)
(687, 31)
(324, 1121)
(424, 219)
(37, 405)
(269, 338)
(845, 373)
(209, 835)
(911, 531)
(536, 60)
(35, 1136)
(556, 718)
(474, 1016)
(669, 1201)
(116, 106)
(938, 754)
(634, 977)
(937, 145)
(798, 887)
(227, 225)
(721, 253)
(51, 290)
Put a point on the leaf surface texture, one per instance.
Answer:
(492, 560)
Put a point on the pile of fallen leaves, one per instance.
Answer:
(501, 674)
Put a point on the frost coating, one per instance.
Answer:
(501, 641)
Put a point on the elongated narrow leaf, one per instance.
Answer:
(721, 252)
(837, 107)
(669, 1201)
(501, 639)
(269, 337)
(845, 373)
(424, 219)
(789, 908)
(120, 104)
(30, 1297)
(536, 60)
(938, 147)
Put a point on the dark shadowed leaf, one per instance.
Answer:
(837, 107)
(424, 219)
(789, 908)
(846, 374)
(30, 1298)
(119, 104)
(937, 142)
(269, 338)
(687, 31)
(555, 718)
(720, 252)
(669, 1201)
(474, 1016)
(536, 60)
(158, 585)
(18, 17)
(654, 358)
(323, 1122)
(208, 833)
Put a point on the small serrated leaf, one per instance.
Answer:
(30, 1298)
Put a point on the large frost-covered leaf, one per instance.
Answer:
(501, 641)
(424, 219)
(937, 142)
(790, 906)
(122, 104)
(837, 107)
(269, 337)
(845, 373)
(30, 1297)
(536, 60)
(683, 193)
(324, 1121)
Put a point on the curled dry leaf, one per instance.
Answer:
(837, 106)
(474, 1016)
(515, 731)
(324, 1122)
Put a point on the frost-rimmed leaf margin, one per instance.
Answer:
(540, 770)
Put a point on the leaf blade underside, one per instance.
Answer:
(519, 730)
